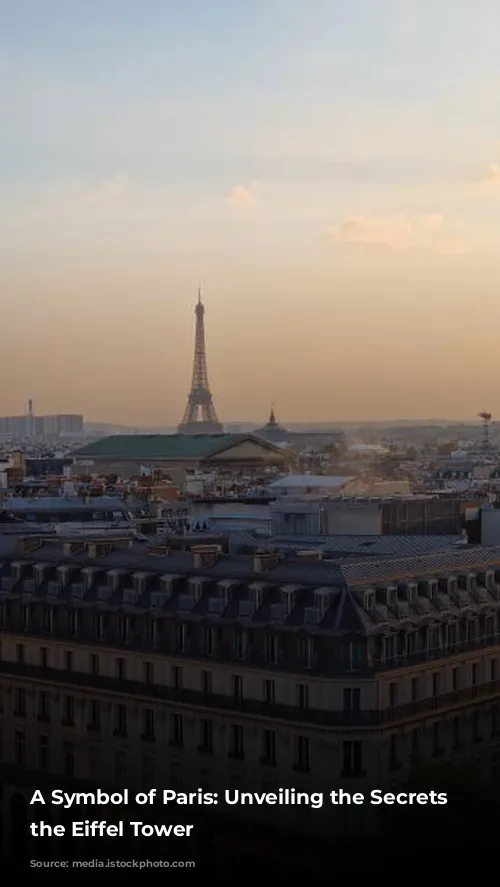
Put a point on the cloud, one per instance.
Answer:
(491, 176)
(241, 196)
(105, 192)
(398, 234)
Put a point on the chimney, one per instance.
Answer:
(158, 550)
(309, 556)
(264, 561)
(205, 555)
(71, 548)
(30, 543)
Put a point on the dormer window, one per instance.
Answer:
(114, 579)
(489, 580)
(322, 603)
(411, 592)
(471, 583)
(369, 601)
(196, 588)
(390, 597)
(39, 573)
(62, 576)
(288, 599)
(256, 594)
(432, 589)
(138, 584)
(452, 585)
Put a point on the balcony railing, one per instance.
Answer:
(367, 718)
(408, 659)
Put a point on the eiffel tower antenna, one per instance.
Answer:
(200, 416)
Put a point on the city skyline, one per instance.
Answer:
(330, 171)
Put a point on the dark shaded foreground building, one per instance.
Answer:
(128, 667)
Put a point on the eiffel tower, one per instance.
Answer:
(200, 416)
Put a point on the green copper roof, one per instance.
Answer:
(158, 446)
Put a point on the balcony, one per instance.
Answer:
(422, 656)
(360, 719)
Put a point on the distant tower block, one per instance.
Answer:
(486, 419)
(200, 416)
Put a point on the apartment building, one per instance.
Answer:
(122, 666)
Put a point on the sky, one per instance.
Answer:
(329, 171)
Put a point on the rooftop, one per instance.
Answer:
(163, 446)
(147, 580)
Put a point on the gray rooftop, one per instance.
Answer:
(165, 583)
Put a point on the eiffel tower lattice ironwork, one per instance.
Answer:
(200, 416)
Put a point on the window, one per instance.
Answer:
(148, 673)
(236, 745)
(120, 768)
(209, 642)
(455, 678)
(301, 753)
(414, 689)
(68, 717)
(206, 736)
(94, 664)
(99, 626)
(44, 657)
(493, 669)
(436, 684)
(302, 691)
(20, 702)
(177, 731)
(69, 759)
(120, 720)
(94, 715)
(120, 669)
(476, 727)
(20, 654)
(176, 776)
(268, 691)
(152, 631)
(43, 753)
(393, 694)
(237, 686)
(94, 754)
(43, 706)
(268, 748)
(495, 721)
(180, 638)
(394, 761)
(148, 773)
(475, 674)
(272, 649)
(352, 757)
(20, 748)
(148, 724)
(74, 622)
(436, 738)
(456, 732)
(177, 677)
(352, 699)
(206, 682)
(240, 644)
(68, 660)
(306, 652)
(415, 742)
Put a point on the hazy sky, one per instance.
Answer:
(327, 168)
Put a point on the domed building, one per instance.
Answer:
(273, 431)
